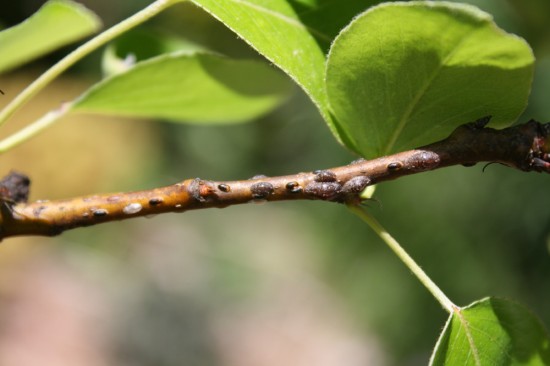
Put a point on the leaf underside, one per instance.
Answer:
(294, 35)
(184, 87)
(142, 44)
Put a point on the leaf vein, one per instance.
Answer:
(414, 103)
(469, 336)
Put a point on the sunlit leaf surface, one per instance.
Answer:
(406, 74)
(492, 332)
(56, 24)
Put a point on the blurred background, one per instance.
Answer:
(290, 283)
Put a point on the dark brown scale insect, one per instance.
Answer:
(100, 212)
(393, 167)
(294, 187)
(224, 188)
(422, 161)
(155, 201)
(324, 190)
(261, 190)
(356, 185)
(324, 176)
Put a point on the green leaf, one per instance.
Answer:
(56, 24)
(406, 74)
(328, 17)
(201, 88)
(294, 35)
(492, 332)
(141, 44)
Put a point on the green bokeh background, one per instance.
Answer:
(178, 288)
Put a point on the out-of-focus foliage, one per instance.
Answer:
(56, 24)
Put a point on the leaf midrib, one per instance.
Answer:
(410, 108)
(469, 336)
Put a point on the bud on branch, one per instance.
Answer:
(525, 147)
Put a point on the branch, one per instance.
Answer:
(525, 147)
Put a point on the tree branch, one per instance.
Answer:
(525, 147)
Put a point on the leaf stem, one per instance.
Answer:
(34, 128)
(76, 55)
(404, 256)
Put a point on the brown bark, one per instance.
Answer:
(525, 147)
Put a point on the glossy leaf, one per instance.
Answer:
(55, 24)
(294, 35)
(403, 75)
(201, 88)
(492, 332)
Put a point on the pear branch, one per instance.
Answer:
(524, 147)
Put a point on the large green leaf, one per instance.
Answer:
(406, 74)
(294, 35)
(190, 88)
(55, 24)
(492, 332)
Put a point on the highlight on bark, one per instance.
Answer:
(524, 147)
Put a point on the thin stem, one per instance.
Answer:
(80, 52)
(524, 147)
(405, 257)
(34, 128)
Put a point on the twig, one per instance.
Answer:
(394, 245)
(525, 147)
